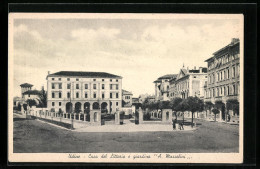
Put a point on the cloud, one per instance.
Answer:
(152, 52)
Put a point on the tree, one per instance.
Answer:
(164, 105)
(208, 106)
(215, 111)
(233, 105)
(19, 107)
(220, 106)
(31, 102)
(123, 103)
(42, 98)
(194, 104)
(175, 105)
(183, 106)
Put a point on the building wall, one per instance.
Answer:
(128, 99)
(84, 93)
(224, 75)
(31, 96)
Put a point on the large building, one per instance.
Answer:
(71, 91)
(223, 74)
(162, 86)
(189, 82)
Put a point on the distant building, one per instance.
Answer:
(25, 87)
(71, 91)
(189, 82)
(127, 98)
(224, 74)
(162, 86)
(32, 94)
(135, 100)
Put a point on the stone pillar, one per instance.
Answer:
(220, 115)
(84, 115)
(70, 115)
(140, 111)
(92, 116)
(90, 106)
(74, 117)
(79, 116)
(117, 117)
(164, 115)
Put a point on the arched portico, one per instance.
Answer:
(86, 107)
(78, 107)
(95, 105)
(68, 107)
(104, 107)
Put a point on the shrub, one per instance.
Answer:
(147, 116)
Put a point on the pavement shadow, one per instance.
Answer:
(21, 119)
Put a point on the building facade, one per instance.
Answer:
(71, 91)
(188, 83)
(162, 86)
(127, 98)
(224, 74)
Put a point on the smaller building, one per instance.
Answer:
(127, 98)
(32, 94)
(162, 86)
(189, 82)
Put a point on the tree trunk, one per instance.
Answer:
(183, 117)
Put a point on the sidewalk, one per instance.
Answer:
(131, 127)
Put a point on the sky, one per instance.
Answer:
(139, 50)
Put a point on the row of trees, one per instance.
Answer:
(192, 104)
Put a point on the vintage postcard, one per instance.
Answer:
(125, 88)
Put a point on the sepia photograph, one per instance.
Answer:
(135, 88)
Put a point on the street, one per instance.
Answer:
(32, 136)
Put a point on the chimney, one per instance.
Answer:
(200, 69)
(234, 40)
(49, 72)
(194, 67)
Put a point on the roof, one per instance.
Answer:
(85, 74)
(167, 76)
(26, 85)
(32, 92)
(233, 43)
(124, 92)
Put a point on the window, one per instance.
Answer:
(234, 89)
(103, 86)
(111, 86)
(110, 80)
(228, 90)
(86, 86)
(94, 80)
(59, 79)
(224, 75)
(103, 80)
(77, 95)
(60, 85)
(117, 87)
(68, 95)
(29, 95)
(103, 95)
(77, 79)
(228, 74)
(94, 86)
(59, 94)
(68, 86)
(213, 92)
(68, 79)
(116, 95)
(224, 91)
(234, 71)
(116, 103)
(86, 95)
(111, 95)
(194, 76)
(221, 76)
(218, 76)
(77, 86)
(94, 95)
(53, 103)
(116, 80)
(59, 103)
(52, 79)
(53, 95)
(53, 86)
